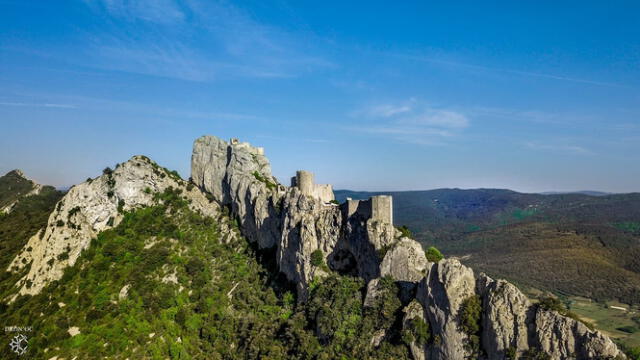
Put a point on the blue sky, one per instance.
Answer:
(531, 96)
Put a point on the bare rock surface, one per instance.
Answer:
(563, 338)
(92, 207)
(405, 261)
(507, 315)
(441, 293)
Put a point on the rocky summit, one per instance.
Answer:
(142, 239)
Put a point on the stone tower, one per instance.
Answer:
(382, 208)
(304, 182)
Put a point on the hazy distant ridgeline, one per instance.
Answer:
(568, 243)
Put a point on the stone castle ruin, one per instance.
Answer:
(304, 182)
(379, 208)
(236, 142)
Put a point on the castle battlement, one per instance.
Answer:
(379, 207)
(237, 143)
(304, 181)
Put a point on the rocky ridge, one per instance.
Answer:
(300, 226)
(25, 187)
(311, 239)
(91, 207)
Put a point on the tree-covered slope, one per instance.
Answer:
(28, 216)
(13, 186)
(162, 284)
(567, 243)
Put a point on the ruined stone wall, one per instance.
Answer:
(382, 208)
(360, 208)
(323, 192)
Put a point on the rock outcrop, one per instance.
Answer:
(312, 237)
(441, 293)
(296, 224)
(90, 208)
(414, 312)
(510, 325)
(565, 338)
(507, 315)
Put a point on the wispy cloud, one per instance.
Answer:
(411, 121)
(470, 66)
(43, 105)
(161, 11)
(197, 40)
(534, 116)
(558, 148)
(388, 110)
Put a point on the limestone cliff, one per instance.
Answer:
(313, 236)
(90, 208)
(296, 221)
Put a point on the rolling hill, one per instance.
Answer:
(573, 244)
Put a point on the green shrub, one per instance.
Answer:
(470, 317)
(270, 185)
(417, 331)
(535, 354)
(317, 258)
(194, 266)
(120, 206)
(552, 304)
(434, 255)
(628, 329)
(73, 211)
(405, 231)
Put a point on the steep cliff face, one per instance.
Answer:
(468, 316)
(272, 215)
(90, 208)
(509, 325)
(507, 315)
(442, 293)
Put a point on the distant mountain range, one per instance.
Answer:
(583, 192)
(568, 243)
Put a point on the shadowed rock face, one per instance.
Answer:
(239, 176)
